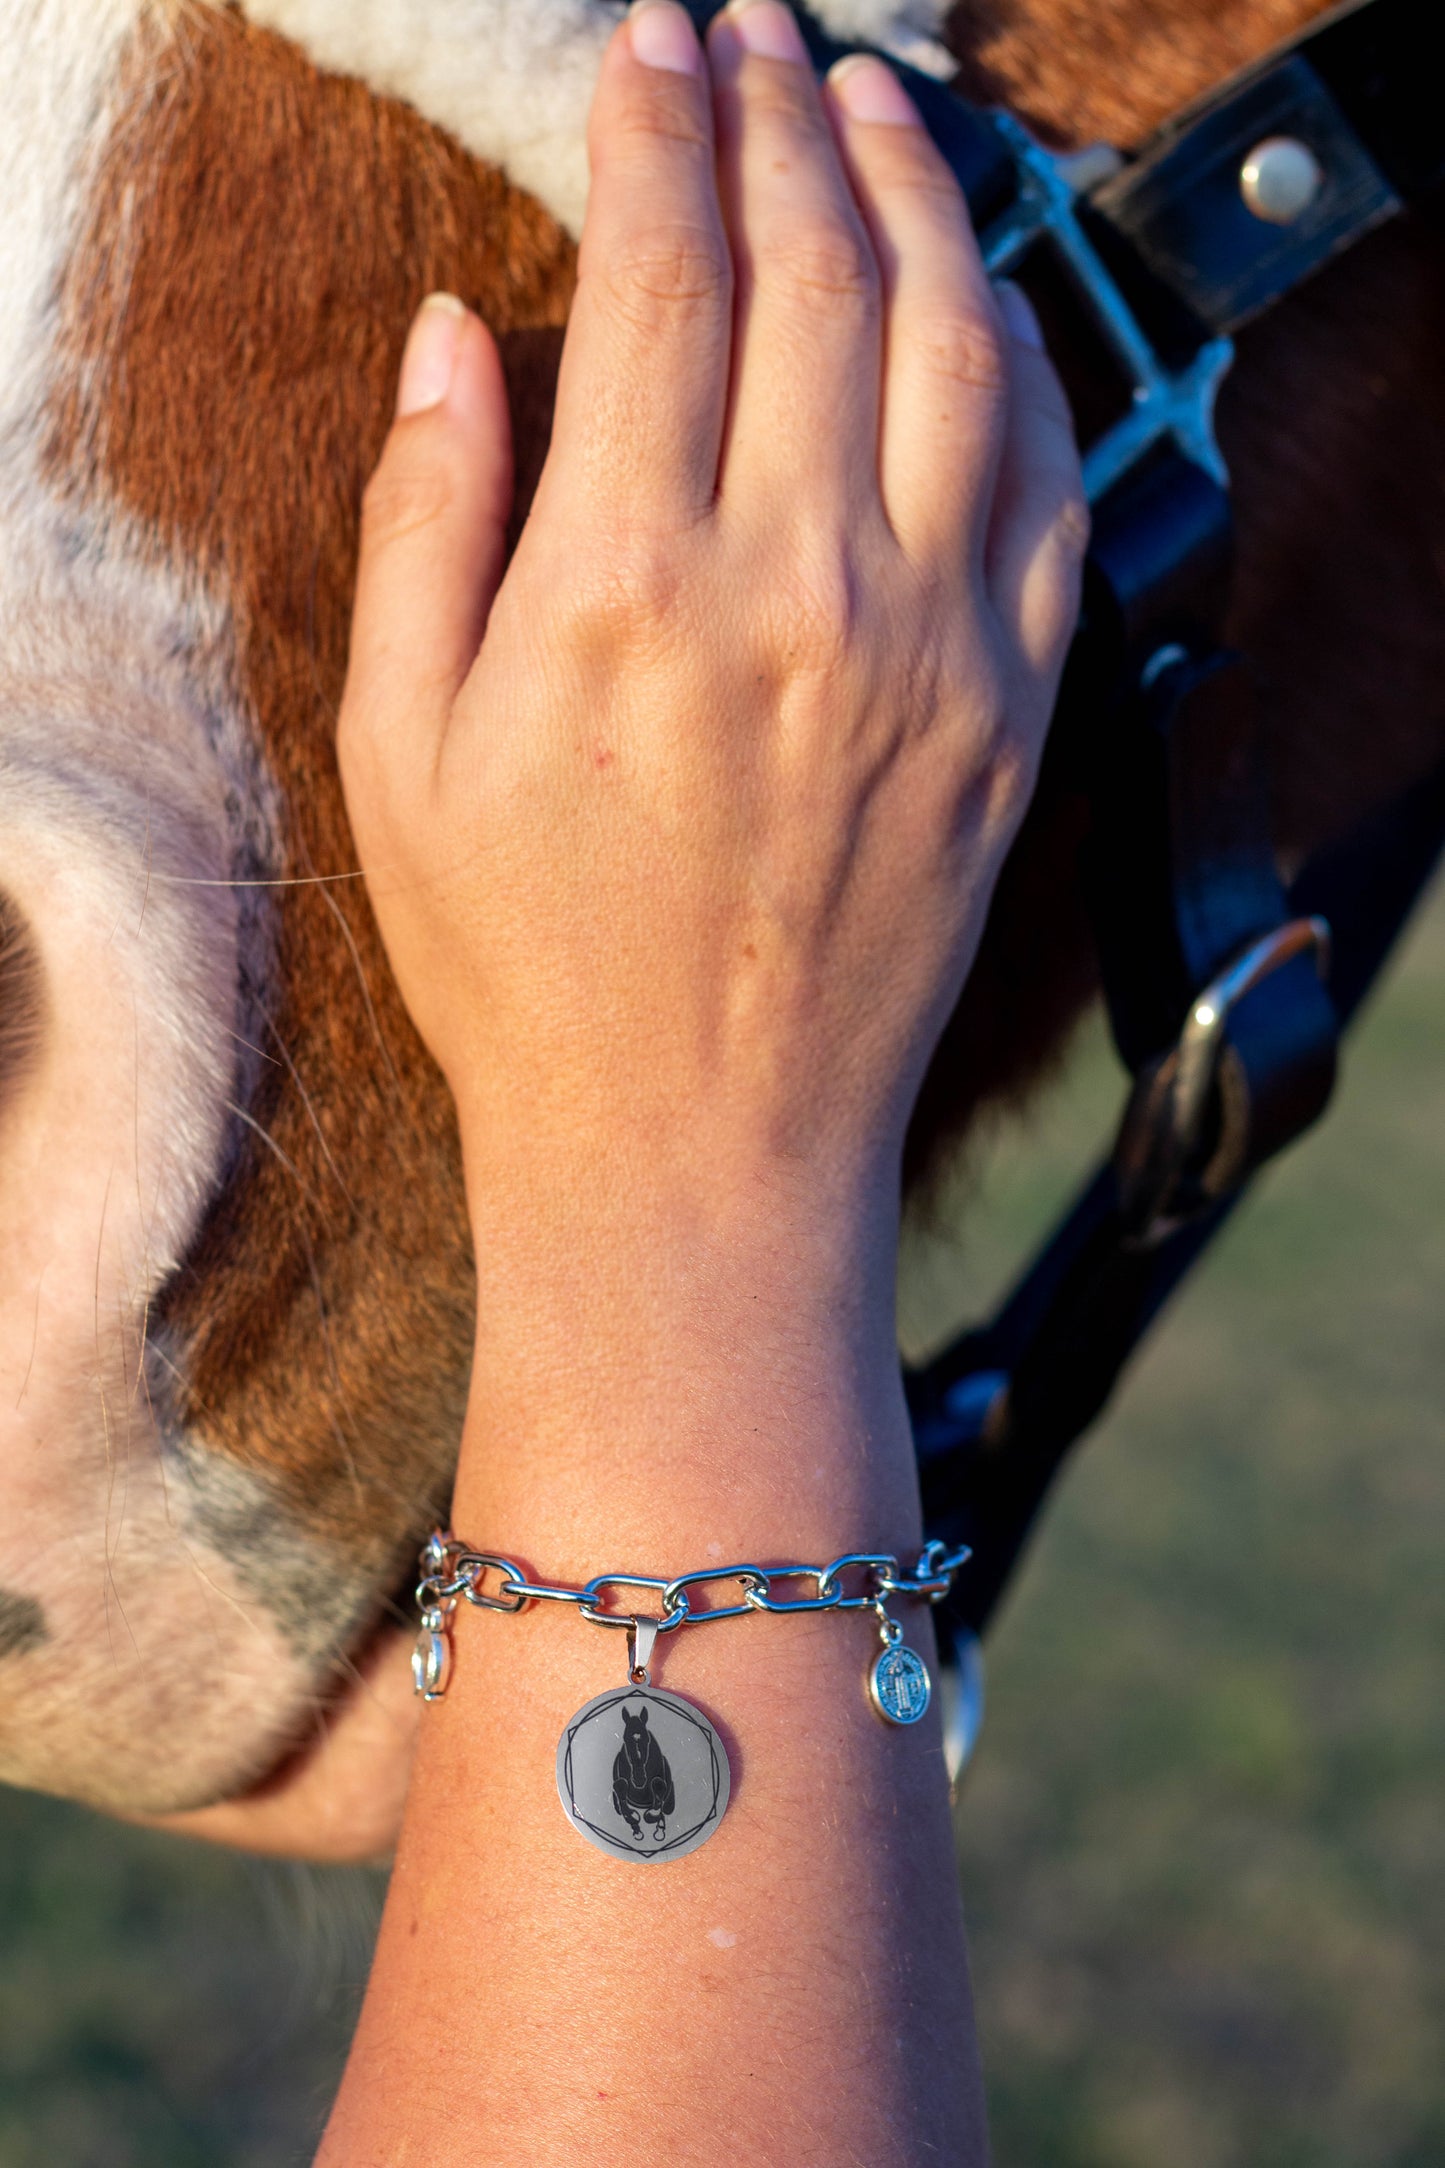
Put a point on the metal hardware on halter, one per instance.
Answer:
(1164, 1122)
(1280, 179)
(977, 1405)
(1177, 404)
(961, 1697)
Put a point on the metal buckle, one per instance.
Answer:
(1164, 1120)
(1165, 404)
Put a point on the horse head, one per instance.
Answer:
(235, 1277)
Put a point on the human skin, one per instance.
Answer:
(680, 839)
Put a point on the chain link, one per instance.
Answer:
(450, 1571)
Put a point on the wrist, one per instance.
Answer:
(747, 1253)
(626, 1164)
(720, 1359)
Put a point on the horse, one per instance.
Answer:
(236, 1286)
(642, 1786)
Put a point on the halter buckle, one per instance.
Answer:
(1160, 1184)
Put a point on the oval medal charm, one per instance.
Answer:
(642, 1775)
(431, 1664)
(899, 1686)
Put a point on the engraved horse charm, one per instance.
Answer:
(642, 1787)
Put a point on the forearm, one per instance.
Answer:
(681, 872)
(794, 1991)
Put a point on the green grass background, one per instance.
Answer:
(1203, 1844)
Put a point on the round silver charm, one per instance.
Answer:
(642, 1775)
(899, 1686)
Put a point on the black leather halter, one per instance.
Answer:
(1226, 992)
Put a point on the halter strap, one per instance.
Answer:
(1226, 993)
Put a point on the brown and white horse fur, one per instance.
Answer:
(235, 1281)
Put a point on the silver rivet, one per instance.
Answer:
(1280, 179)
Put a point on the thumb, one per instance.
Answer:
(433, 535)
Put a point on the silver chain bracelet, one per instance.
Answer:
(641, 1773)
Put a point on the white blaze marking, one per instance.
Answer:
(513, 79)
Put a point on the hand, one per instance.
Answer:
(682, 834)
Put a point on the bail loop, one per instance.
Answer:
(641, 1636)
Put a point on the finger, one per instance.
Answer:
(433, 534)
(644, 372)
(945, 385)
(807, 352)
(1040, 526)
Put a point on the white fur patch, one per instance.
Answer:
(513, 79)
(60, 58)
(127, 777)
(119, 779)
(911, 30)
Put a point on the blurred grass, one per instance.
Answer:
(163, 2005)
(1203, 1845)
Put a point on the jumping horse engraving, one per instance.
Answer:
(642, 1786)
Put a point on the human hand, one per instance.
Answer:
(681, 835)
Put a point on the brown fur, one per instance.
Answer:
(1110, 71)
(325, 1306)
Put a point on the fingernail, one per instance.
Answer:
(1017, 312)
(431, 354)
(663, 37)
(768, 29)
(867, 89)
